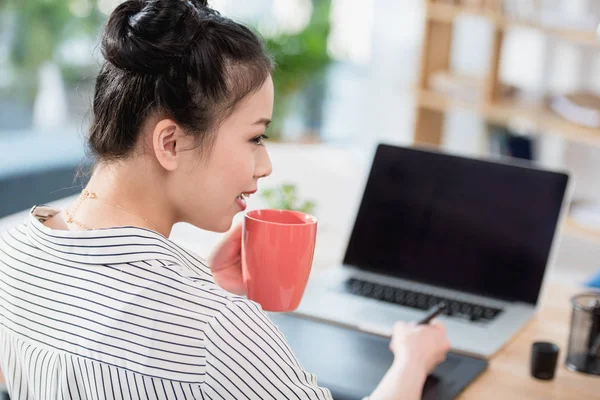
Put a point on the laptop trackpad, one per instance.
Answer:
(351, 363)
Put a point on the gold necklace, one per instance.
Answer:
(86, 194)
(71, 215)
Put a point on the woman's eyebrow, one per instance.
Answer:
(263, 121)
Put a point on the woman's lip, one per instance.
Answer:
(241, 203)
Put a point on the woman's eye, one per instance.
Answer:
(260, 140)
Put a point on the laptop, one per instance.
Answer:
(431, 227)
(351, 363)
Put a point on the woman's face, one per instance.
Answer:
(209, 189)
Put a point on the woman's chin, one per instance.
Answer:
(213, 226)
(223, 226)
(217, 225)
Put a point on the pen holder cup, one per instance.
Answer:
(584, 340)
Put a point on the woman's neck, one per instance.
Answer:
(126, 194)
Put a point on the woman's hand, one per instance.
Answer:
(417, 349)
(226, 262)
(422, 346)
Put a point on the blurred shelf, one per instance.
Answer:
(576, 229)
(534, 115)
(449, 13)
(440, 91)
(456, 92)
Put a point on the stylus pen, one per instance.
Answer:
(437, 310)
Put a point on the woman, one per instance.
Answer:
(96, 302)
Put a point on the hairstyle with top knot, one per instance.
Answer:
(172, 58)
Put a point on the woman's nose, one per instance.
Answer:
(263, 165)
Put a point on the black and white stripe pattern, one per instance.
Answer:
(125, 313)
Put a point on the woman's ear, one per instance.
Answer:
(167, 138)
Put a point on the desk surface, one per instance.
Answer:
(508, 375)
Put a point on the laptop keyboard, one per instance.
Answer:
(422, 301)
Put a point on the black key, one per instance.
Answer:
(454, 307)
(378, 292)
(399, 297)
(389, 294)
(367, 288)
(433, 301)
(355, 287)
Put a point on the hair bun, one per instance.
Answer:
(147, 36)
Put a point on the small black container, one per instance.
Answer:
(584, 339)
(544, 356)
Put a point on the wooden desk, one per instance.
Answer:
(508, 378)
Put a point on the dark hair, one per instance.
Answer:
(174, 58)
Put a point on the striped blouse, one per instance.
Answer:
(124, 313)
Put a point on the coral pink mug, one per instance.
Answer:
(277, 255)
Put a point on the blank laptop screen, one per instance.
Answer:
(476, 226)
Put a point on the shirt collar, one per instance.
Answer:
(108, 246)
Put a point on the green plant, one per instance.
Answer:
(285, 197)
(299, 58)
(41, 26)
